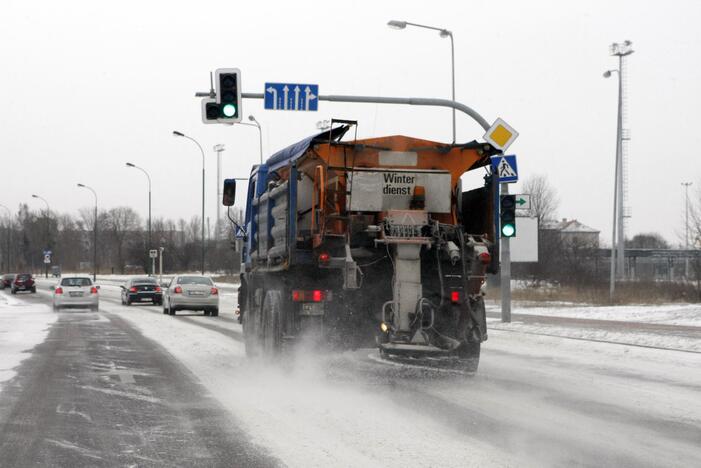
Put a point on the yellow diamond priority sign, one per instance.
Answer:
(500, 135)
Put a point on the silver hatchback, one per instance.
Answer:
(191, 292)
(75, 291)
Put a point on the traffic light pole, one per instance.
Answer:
(384, 100)
(505, 270)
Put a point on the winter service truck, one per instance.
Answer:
(349, 242)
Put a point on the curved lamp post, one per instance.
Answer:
(394, 24)
(180, 134)
(148, 177)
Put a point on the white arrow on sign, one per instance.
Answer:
(297, 90)
(309, 96)
(285, 92)
(273, 91)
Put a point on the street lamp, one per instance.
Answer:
(260, 133)
(149, 207)
(9, 234)
(620, 50)
(48, 208)
(394, 24)
(180, 134)
(94, 231)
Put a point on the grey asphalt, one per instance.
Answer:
(98, 393)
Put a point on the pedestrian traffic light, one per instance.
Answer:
(507, 207)
(210, 111)
(228, 83)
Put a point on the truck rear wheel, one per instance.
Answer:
(272, 323)
(250, 322)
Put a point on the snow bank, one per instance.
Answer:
(22, 326)
(670, 314)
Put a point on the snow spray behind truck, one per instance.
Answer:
(359, 241)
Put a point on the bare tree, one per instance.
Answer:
(649, 240)
(695, 219)
(544, 199)
(122, 221)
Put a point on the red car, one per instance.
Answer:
(6, 280)
(23, 282)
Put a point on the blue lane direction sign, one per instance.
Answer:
(504, 166)
(291, 96)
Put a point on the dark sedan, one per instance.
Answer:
(6, 280)
(141, 290)
(23, 282)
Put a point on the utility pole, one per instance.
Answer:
(160, 265)
(505, 269)
(619, 50)
(686, 226)
(8, 237)
(218, 149)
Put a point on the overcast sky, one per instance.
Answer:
(86, 86)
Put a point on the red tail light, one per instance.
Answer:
(59, 291)
(485, 258)
(324, 257)
(214, 291)
(133, 289)
(315, 295)
(158, 289)
(178, 290)
(93, 290)
(454, 296)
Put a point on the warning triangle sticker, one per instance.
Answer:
(504, 169)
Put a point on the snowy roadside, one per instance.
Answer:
(654, 340)
(671, 314)
(22, 326)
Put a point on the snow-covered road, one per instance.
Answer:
(535, 401)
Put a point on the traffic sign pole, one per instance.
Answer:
(505, 270)
(387, 100)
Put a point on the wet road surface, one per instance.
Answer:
(98, 393)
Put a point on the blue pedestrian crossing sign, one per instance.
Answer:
(291, 96)
(504, 166)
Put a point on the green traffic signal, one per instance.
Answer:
(228, 94)
(229, 110)
(507, 211)
(508, 230)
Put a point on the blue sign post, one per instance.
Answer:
(505, 168)
(291, 96)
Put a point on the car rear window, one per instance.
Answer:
(143, 281)
(194, 280)
(76, 282)
(23, 277)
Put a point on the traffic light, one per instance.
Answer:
(228, 83)
(210, 111)
(507, 209)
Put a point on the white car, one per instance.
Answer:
(76, 291)
(191, 292)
